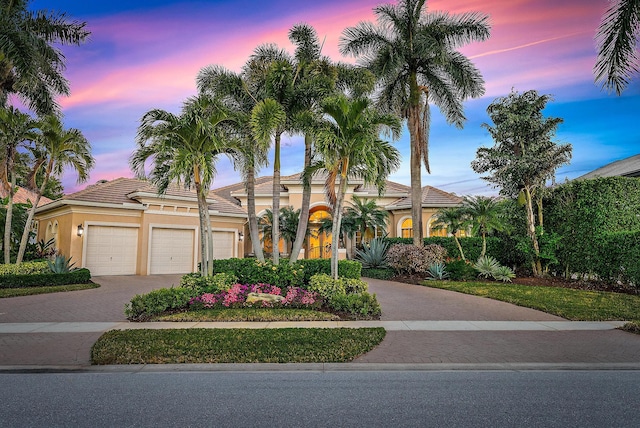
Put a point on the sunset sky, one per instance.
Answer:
(146, 54)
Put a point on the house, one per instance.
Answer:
(123, 227)
(628, 167)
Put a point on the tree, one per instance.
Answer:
(30, 65)
(485, 214)
(452, 220)
(184, 148)
(524, 156)
(288, 218)
(55, 149)
(17, 130)
(414, 55)
(232, 89)
(616, 41)
(349, 146)
(367, 217)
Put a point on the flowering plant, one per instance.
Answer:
(236, 297)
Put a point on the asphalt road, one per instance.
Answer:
(322, 399)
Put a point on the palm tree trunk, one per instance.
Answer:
(8, 220)
(32, 211)
(531, 231)
(209, 239)
(413, 123)
(301, 233)
(253, 218)
(484, 244)
(203, 231)
(275, 227)
(455, 238)
(337, 221)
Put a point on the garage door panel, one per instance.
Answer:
(172, 250)
(223, 243)
(111, 250)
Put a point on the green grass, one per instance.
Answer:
(288, 345)
(28, 291)
(249, 314)
(577, 305)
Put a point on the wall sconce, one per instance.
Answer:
(80, 230)
(240, 236)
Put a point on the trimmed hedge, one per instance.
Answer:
(472, 246)
(78, 276)
(251, 271)
(144, 306)
(617, 257)
(25, 268)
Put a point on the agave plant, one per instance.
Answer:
(374, 254)
(487, 266)
(504, 274)
(438, 271)
(61, 264)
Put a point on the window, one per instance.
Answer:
(406, 229)
(439, 232)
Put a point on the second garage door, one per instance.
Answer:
(223, 243)
(172, 250)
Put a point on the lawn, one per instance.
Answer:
(28, 291)
(249, 314)
(577, 305)
(287, 345)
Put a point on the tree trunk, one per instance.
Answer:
(207, 218)
(275, 227)
(484, 244)
(32, 211)
(413, 123)
(254, 235)
(8, 220)
(455, 238)
(202, 206)
(337, 220)
(531, 231)
(301, 233)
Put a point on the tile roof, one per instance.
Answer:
(628, 167)
(431, 197)
(23, 196)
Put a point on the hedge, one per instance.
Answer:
(79, 276)
(251, 271)
(25, 268)
(616, 257)
(472, 246)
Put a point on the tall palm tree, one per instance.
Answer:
(485, 214)
(414, 55)
(616, 41)
(31, 65)
(349, 146)
(17, 130)
(184, 148)
(452, 220)
(56, 148)
(250, 155)
(368, 217)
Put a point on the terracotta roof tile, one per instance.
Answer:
(431, 197)
(23, 196)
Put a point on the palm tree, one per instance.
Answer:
(17, 130)
(349, 145)
(616, 41)
(250, 155)
(289, 219)
(30, 64)
(367, 216)
(56, 149)
(452, 220)
(485, 214)
(414, 55)
(184, 148)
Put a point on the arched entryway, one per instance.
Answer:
(318, 243)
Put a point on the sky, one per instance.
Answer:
(144, 55)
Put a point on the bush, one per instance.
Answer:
(362, 305)
(144, 306)
(378, 273)
(236, 296)
(252, 271)
(374, 254)
(25, 268)
(461, 270)
(61, 264)
(486, 266)
(409, 259)
(438, 271)
(472, 246)
(79, 276)
(209, 284)
(327, 287)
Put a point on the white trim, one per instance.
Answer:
(399, 225)
(196, 241)
(86, 225)
(63, 202)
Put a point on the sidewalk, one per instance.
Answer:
(426, 329)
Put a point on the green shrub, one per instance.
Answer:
(461, 270)
(354, 286)
(78, 276)
(326, 286)
(25, 268)
(504, 274)
(486, 266)
(618, 257)
(252, 271)
(472, 246)
(143, 306)
(210, 284)
(378, 273)
(374, 254)
(362, 305)
(349, 269)
(438, 271)
(346, 268)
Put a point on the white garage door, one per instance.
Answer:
(223, 243)
(171, 250)
(111, 250)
